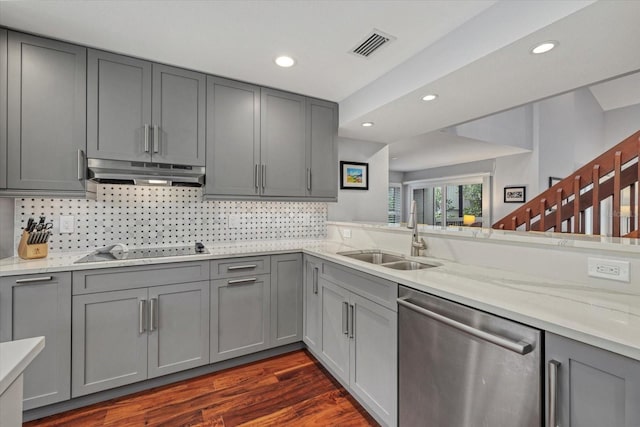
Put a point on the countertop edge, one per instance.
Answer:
(15, 356)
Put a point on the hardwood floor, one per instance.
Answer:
(288, 390)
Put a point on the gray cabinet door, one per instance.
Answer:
(3, 108)
(118, 107)
(282, 144)
(31, 308)
(46, 114)
(178, 116)
(595, 387)
(373, 357)
(286, 299)
(109, 340)
(178, 327)
(334, 334)
(311, 295)
(239, 316)
(233, 138)
(322, 149)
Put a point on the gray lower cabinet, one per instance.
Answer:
(40, 305)
(322, 149)
(286, 299)
(282, 144)
(233, 138)
(126, 336)
(358, 344)
(46, 132)
(240, 316)
(3, 108)
(139, 111)
(593, 387)
(311, 303)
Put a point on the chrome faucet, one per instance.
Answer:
(417, 242)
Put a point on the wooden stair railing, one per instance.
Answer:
(586, 188)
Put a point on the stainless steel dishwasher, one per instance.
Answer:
(460, 367)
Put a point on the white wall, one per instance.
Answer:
(396, 177)
(359, 205)
(620, 123)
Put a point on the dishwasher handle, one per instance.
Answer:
(521, 347)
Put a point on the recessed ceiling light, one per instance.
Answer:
(367, 124)
(429, 97)
(544, 47)
(285, 61)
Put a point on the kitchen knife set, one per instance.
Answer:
(33, 243)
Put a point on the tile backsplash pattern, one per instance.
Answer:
(169, 216)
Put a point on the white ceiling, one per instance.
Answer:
(474, 54)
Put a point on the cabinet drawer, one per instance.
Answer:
(382, 291)
(111, 279)
(235, 267)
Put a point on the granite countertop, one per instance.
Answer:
(15, 356)
(600, 317)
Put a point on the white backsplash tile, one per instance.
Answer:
(169, 216)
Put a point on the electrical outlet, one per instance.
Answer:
(346, 233)
(234, 221)
(611, 269)
(66, 224)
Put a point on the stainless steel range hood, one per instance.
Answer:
(142, 173)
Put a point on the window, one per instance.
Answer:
(452, 202)
(395, 203)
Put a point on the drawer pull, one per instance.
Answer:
(242, 267)
(35, 279)
(238, 281)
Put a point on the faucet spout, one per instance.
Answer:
(417, 243)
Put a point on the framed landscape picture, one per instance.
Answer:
(354, 176)
(515, 194)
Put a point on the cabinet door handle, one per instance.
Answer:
(351, 321)
(255, 178)
(238, 281)
(345, 316)
(309, 179)
(35, 279)
(146, 138)
(315, 280)
(553, 392)
(80, 165)
(153, 314)
(264, 176)
(156, 139)
(141, 316)
(241, 267)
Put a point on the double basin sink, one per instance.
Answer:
(383, 259)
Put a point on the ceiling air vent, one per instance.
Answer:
(371, 43)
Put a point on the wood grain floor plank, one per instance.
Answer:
(287, 390)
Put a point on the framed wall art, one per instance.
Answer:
(515, 194)
(354, 176)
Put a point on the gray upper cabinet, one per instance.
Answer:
(178, 327)
(233, 138)
(311, 295)
(139, 111)
(282, 144)
(3, 108)
(46, 114)
(33, 306)
(118, 107)
(594, 387)
(239, 316)
(109, 340)
(322, 149)
(286, 299)
(178, 116)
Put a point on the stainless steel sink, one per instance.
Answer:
(408, 265)
(372, 256)
(383, 259)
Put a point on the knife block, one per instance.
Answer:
(25, 251)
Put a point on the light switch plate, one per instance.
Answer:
(234, 221)
(67, 224)
(611, 269)
(346, 233)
